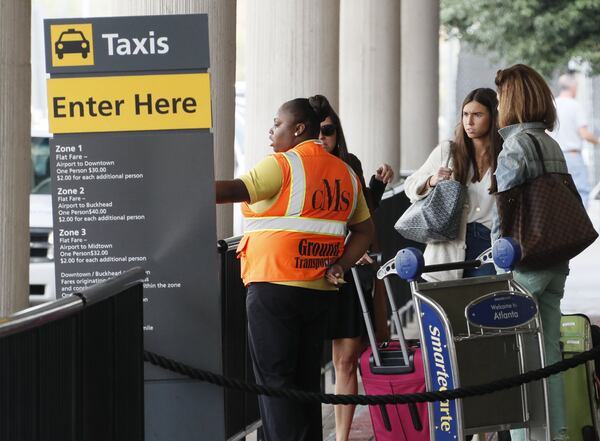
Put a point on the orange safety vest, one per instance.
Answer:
(303, 232)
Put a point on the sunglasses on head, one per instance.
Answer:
(328, 129)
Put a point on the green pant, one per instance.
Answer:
(548, 287)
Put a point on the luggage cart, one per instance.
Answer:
(474, 331)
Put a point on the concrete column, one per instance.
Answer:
(291, 52)
(420, 89)
(221, 28)
(15, 153)
(370, 81)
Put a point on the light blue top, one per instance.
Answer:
(518, 160)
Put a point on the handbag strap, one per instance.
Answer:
(450, 145)
(538, 149)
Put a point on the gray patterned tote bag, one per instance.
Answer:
(437, 216)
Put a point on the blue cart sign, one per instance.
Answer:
(501, 310)
(441, 373)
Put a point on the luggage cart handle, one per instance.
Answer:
(389, 267)
(465, 264)
(484, 258)
(409, 263)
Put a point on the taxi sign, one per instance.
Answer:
(127, 44)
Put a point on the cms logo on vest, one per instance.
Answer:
(330, 197)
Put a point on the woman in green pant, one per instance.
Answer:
(526, 109)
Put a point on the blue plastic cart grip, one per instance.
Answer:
(507, 253)
(409, 263)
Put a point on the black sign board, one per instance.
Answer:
(133, 185)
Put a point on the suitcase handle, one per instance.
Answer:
(365, 311)
(369, 325)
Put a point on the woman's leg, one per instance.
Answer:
(314, 313)
(273, 338)
(285, 335)
(548, 288)
(477, 241)
(380, 311)
(550, 312)
(345, 361)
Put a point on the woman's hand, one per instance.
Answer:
(335, 274)
(443, 174)
(384, 173)
(365, 260)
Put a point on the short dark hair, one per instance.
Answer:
(303, 112)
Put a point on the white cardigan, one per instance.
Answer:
(439, 252)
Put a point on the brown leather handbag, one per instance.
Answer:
(547, 217)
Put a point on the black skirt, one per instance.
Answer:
(345, 314)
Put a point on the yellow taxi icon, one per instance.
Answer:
(72, 41)
(72, 44)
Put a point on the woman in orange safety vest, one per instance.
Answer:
(299, 205)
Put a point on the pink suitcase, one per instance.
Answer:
(384, 371)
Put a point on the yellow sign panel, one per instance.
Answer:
(129, 103)
(72, 45)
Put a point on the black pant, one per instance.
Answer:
(285, 331)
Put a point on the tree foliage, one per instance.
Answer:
(545, 34)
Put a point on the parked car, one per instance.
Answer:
(41, 260)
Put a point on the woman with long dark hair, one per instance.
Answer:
(471, 160)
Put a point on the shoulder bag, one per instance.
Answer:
(437, 216)
(546, 216)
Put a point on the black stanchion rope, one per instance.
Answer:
(464, 392)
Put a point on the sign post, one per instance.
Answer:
(133, 185)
